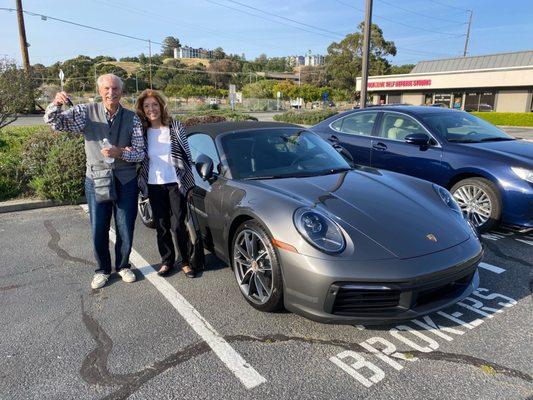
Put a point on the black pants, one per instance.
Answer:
(170, 209)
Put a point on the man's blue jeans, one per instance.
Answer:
(125, 211)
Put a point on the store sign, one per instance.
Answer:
(400, 84)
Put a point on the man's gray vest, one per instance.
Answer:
(118, 134)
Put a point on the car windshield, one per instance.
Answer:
(461, 127)
(280, 153)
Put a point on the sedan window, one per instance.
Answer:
(359, 123)
(461, 127)
(398, 126)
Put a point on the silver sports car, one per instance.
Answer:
(302, 228)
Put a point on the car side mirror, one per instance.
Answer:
(418, 139)
(204, 167)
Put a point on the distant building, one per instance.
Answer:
(313, 60)
(499, 82)
(295, 61)
(189, 52)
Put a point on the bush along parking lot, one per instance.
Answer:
(304, 117)
(34, 161)
(506, 118)
(37, 162)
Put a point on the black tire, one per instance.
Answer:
(275, 299)
(493, 195)
(145, 212)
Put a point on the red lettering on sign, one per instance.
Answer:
(402, 83)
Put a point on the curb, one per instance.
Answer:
(24, 205)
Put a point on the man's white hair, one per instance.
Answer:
(101, 78)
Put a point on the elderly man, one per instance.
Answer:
(123, 130)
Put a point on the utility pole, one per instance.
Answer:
(366, 51)
(150, 60)
(22, 36)
(468, 33)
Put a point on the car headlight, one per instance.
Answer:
(319, 230)
(525, 174)
(447, 198)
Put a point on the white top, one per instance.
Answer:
(161, 167)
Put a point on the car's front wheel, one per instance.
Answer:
(256, 267)
(480, 202)
(145, 211)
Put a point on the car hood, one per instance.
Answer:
(519, 149)
(395, 211)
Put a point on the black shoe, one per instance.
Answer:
(188, 271)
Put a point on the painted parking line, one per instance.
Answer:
(249, 377)
(492, 268)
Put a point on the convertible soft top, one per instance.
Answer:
(218, 128)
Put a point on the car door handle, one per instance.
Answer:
(379, 146)
(333, 139)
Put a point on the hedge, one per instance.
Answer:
(506, 118)
(304, 117)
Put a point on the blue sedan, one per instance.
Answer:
(489, 173)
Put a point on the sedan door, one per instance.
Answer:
(354, 133)
(391, 151)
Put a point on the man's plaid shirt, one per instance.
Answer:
(74, 119)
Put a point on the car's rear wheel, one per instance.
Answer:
(256, 267)
(145, 211)
(480, 202)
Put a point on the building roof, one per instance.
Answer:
(490, 61)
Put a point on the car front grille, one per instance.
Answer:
(352, 300)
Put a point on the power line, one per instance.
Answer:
(447, 5)
(272, 20)
(282, 17)
(396, 22)
(46, 17)
(421, 14)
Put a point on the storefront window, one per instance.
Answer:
(480, 101)
(457, 101)
(395, 98)
(443, 98)
(428, 99)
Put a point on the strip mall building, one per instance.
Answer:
(496, 82)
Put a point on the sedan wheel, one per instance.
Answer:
(145, 211)
(479, 201)
(256, 267)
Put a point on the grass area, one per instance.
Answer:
(506, 118)
(304, 117)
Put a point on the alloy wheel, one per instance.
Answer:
(474, 202)
(253, 267)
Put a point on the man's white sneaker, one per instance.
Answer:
(126, 275)
(99, 280)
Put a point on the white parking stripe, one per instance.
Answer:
(525, 241)
(491, 268)
(249, 377)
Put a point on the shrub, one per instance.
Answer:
(36, 149)
(304, 117)
(506, 118)
(64, 171)
(8, 188)
(206, 119)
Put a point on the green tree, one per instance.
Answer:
(223, 72)
(401, 69)
(262, 89)
(343, 60)
(218, 53)
(16, 92)
(169, 44)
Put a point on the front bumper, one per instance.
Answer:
(377, 292)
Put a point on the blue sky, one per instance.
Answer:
(421, 29)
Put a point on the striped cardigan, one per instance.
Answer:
(181, 156)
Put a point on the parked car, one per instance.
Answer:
(303, 229)
(489, 173)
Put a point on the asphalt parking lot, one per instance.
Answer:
(177, 338)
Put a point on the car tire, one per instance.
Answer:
(145, 211)
(266, 270)
(489, 195)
